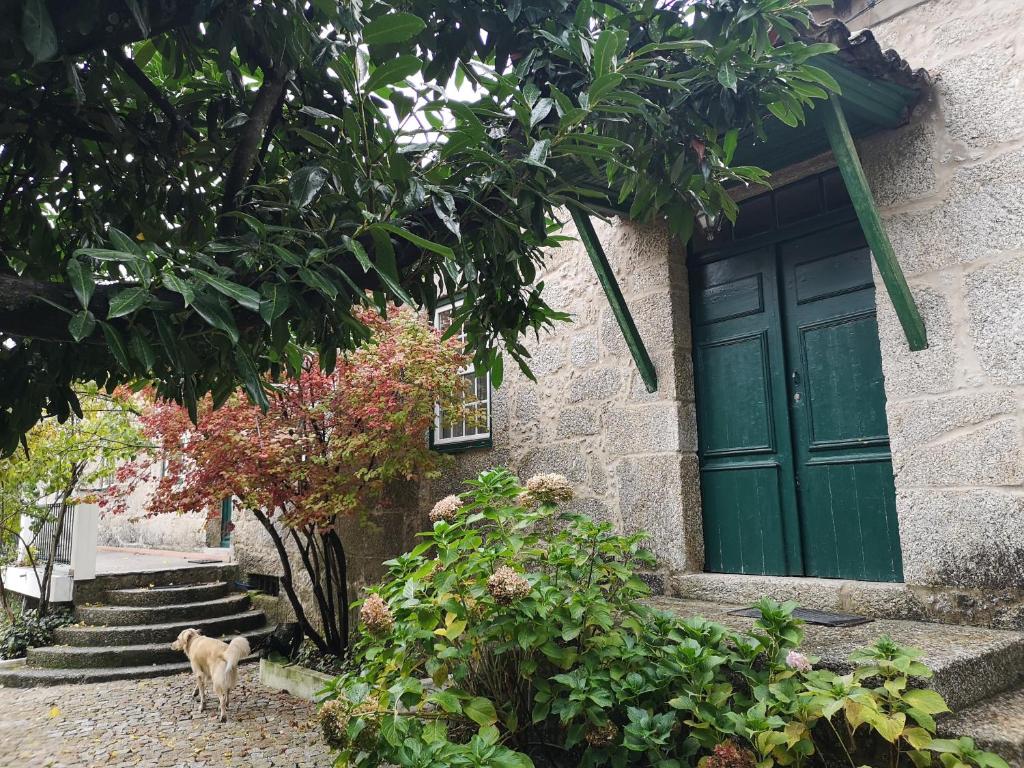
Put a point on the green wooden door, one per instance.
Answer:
(747, 473)
(796, 476)
(837, 408)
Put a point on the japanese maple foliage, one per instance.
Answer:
(328, 445)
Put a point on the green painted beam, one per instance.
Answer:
(874, 232)
(615, 299)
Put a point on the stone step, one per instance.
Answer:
(151, 596)
(970, 663)
(31, 677)
(92, 657)
(119, 615)
(95, 590)
(140, 634)
(996, 724)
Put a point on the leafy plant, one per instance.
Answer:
(28, 629)
(326, 445)
(206, 183)
(514, 636)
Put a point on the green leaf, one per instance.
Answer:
(126, 302)
(212, 309)
(81, 280)
(122, 242)
(176, 284)
(107, 254)
(729, 142)
(305, 183)
(480, 711)
(142, 351)
(606, 49)
(385, 264)
(392, 71)
(602, 86)
(727, 76)
(541, 110)
(116, 345)
(392, 28)
(356, 249)
(276, 302)
(37, 32)
(427, 245)
(539, 153)
(926, 700)
(247, 297)
(81, 325)
(784, 113)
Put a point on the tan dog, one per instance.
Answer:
(213, 663)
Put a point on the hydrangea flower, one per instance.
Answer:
(446, 509)
(376, 615)
(797, 661)
(604, 735)
(506, 586)
(728, 754)
(550, 488)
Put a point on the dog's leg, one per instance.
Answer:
(201, 687)
(223, 707)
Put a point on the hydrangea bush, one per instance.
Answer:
(514, 636)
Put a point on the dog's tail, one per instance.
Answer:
(237, 650)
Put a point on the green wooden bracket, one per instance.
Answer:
(864, 204)
(615, 299)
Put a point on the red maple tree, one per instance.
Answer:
(329, 444)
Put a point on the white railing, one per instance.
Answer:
(75, 555)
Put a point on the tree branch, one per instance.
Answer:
(155, 94)
(267, 97)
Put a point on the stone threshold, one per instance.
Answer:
(993, 608)
(971, 664)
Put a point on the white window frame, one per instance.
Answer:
(478, 438)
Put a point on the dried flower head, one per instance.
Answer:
(547, 489)
(334, 718)
(728, 754)
(506, 586)
(798, 661)
(604, 735)
(376, 615)
(446, 509)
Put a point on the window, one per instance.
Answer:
(473, 427)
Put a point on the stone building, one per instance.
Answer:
(795, 445)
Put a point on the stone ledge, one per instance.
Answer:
(969, 663)
(989, 608)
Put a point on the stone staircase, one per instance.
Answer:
(979, 671)
(127, 627)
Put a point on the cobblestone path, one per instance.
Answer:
(156, 724)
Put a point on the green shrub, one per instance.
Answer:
(28, 630)
(514, 637)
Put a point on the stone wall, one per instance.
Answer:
(131, 528)
(631, 454)
(951, 189)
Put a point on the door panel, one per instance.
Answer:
(796, 475)
(747, 481)
(837, 408)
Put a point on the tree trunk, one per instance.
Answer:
(286, 581)
(44, 587)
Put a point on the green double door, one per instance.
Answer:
(796, 474)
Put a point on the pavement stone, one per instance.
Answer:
(155, 724)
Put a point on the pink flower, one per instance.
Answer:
(797, 661)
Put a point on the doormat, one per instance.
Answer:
(824, 618)
(204, 561)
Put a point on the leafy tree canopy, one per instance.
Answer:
(193, 192)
